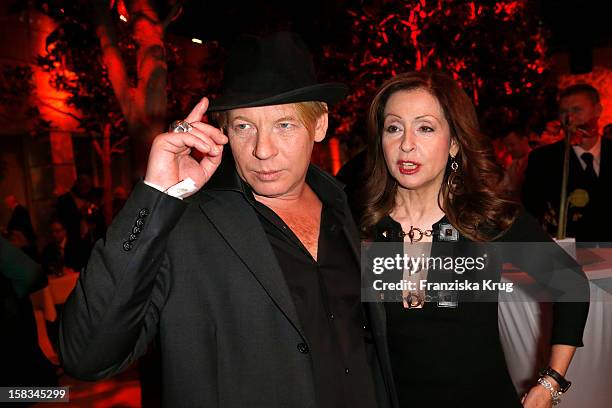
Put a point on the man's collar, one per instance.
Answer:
(595, 150)
(327, 187)
(225, 177)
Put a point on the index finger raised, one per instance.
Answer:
(198, 111)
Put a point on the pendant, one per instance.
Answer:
(413, 301)
(415, 234)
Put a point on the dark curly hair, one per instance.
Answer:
(472, 200)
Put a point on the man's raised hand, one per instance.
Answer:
(170, 161)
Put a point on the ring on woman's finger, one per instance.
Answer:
(180, 126)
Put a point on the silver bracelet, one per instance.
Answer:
(554, 393)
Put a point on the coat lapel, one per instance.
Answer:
(237, 222)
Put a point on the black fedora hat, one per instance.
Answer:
(272, 70)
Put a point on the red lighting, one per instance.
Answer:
(334, 150)
(122, 10)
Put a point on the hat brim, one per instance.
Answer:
(329, 93)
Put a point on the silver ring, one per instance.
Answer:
(180, 126)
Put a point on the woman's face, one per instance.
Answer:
(416, 139)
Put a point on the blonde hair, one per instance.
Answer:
(307, 112)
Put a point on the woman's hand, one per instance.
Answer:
(170, 161)
(537, 397)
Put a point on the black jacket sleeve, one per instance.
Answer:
(113, 313)
(552, 267)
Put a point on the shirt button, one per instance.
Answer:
(302, 348)
(346, 371)
(132, 237)
(331, 316)
(127, 245)
(139, 222)
(136, 230)
(144, 212)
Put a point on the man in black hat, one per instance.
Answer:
(252, 285)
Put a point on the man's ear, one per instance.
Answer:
(598, 110)
(321, 127)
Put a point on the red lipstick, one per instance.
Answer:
(408, 166)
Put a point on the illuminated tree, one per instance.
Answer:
(113, 60)
(495, 49)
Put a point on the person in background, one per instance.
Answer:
(516, 141)
(19, 228)
(23, 362)
(63, 251)
(590, 171)
(607, 131)
(79, 211)
(73, 205)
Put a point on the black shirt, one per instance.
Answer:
(326, 293)
(453, 356)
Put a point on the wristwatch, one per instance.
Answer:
(563, 383)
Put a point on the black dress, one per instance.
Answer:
(452, 357)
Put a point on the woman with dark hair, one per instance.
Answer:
(433, 177)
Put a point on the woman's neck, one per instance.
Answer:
(417, 208)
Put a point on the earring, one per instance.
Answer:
(454, 178)
(454, 165)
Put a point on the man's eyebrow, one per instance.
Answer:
(286, 118)
(242, 118)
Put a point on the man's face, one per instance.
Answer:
(58, 232)
(272, 148)
(517, 146)
(579, 110)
